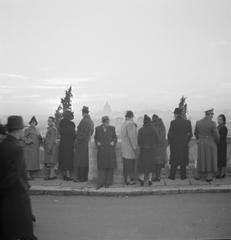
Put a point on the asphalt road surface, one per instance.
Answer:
(183, 216)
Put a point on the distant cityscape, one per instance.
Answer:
(117, 118)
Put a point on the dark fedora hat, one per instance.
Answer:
(14, 123)
(33, 119)
(177, 111)
(85, 109)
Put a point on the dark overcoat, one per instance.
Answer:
(179, 135)
(66, 145)
(15, 206)
(106, 155)
(85, 130)
(147, 139)
(222, 146)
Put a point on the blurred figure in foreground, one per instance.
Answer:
(85, 130)
(129, 148)
(32, 140)
(105, 140)
(160, 147)
(207, 135)
(179, 136)
(222, 146)
(3, 132)
(66, 145)
(50, 151)
(15, 206)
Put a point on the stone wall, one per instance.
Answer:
(118, 174)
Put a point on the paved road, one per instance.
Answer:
(186, 216)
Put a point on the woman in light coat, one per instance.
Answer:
(32, 140)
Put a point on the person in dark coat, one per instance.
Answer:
(85, 130)
(3, 132)
(105, 140)
(15, 206)
(179, 136)
(147, 139)
(66, 145)
(222, 146)
(160, 147)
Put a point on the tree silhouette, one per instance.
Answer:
(64, 106)
(183, 106)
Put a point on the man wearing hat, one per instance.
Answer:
(85, 130)
(105, 140)
(207, 135)
(179, 135)
(15, 208)
(129, 147)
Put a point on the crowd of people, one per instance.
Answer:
(144, 154)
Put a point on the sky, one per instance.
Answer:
(135, 54)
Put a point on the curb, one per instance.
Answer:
(123, 192)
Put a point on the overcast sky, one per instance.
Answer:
(135, 54)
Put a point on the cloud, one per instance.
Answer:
(27, 96)
(11, 75)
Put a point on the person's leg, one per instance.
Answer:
(52, 173)
(75, 174)
(209, 176)
(125, 170)
(46, 172)
(173, 169)
(101, 178)
(223, 172)
(157, 172)
(141, 179)
(183, 171)
(150, 178)
(109, 177)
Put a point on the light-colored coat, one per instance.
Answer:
(129, 140)
(207, 135)
(50, 147)
(31, 150)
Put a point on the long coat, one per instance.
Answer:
(66, 145)
(50, 147)
(161, 144)
(222, 146)
(15, 207)
(85, 130)
(147, 139)
(179, 135)
(32, 139)
(207, 135)
(106, 155)
(129, 139)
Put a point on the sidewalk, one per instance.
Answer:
(165, 186)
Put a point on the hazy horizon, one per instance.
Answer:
(135, 54)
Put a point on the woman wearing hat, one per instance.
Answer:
(160, 147)
(15, 207)
(105, 140)
(66, 146)
(32, 140)
(147, 139)
(222, 146)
